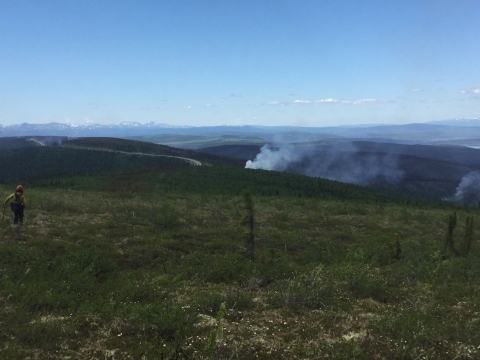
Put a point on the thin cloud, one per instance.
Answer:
(188, 107)
(365, 101)
(471, 91)
(302, 102)
(324, 101)
(330, 101)
(415, 90)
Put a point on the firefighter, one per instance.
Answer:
(17, 205)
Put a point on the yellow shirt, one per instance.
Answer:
(12, 197)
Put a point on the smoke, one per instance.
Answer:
(278, 160)
(343, 162)
(52, 140)
(468, 191)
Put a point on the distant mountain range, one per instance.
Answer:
(62, 129)
(451, 131)
(456, 122)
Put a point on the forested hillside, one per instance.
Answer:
(23, 158)
(9, 143)
(41, 161)
(199, 142)
(242, 152)
(428, 172)
(148, 148)
(220, 180)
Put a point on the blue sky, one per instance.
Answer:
(307, 63)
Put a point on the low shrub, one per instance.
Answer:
(234, 299)
(303, 291)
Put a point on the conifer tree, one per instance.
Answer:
(250, 222)
(467, 242)
(449, 240)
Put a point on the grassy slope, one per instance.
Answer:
(136, 265)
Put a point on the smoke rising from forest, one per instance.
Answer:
(51, 140)
(343, 163)
(468, 191)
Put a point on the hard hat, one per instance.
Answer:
(20, 188)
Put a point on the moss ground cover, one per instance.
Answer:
(136, 266)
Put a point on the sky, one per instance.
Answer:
(245, 62)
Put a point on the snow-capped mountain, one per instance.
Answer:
(453, 131)
(127, 128)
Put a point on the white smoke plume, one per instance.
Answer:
(468, 191)
(278, 160)
(343, 163)
(51, 140)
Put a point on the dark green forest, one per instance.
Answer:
(223, 180)
(10, 143)
(41, 161)
(150, 148)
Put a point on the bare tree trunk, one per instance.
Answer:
(449, 240)
(250, 222)
(251, 238)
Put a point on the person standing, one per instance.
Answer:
(17, 205)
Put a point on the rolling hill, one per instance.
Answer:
(429, 172)
(22, 158)
(135, 146)
(194, 142)
(422, 171)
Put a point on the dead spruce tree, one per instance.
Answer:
(449, 240)
(249, 220)
(467, 239)
(396, 248)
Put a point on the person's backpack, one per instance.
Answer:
(17, 204)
